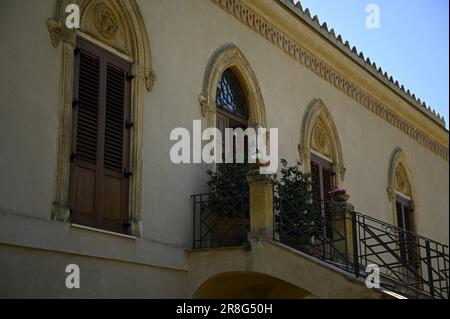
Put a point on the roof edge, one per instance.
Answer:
(360, 59)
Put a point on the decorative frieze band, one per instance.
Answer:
(293, 49)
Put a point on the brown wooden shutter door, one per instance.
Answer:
(326, 189)
(84, 168)
(100, 148)
(321, 178)
(116, 148)
(316, 187)
(399, 209)
(408, 250)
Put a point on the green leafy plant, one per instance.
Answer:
(229, 190)
(293, 202)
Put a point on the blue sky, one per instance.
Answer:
(412, 43)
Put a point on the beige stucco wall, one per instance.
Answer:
(28, 121)
(183, 35)
(197, 28)
(43, 275)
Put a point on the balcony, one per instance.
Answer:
(221, 219)
(409, 264)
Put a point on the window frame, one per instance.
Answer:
(224, 116)
(97, 220)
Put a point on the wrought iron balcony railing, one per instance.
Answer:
(221, 219)
(408, 263)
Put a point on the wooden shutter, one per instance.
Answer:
(100, 148)
(316, 187)
(399, 209)
(326, 189)
(407, 238)
(84, 168)
(321, 178)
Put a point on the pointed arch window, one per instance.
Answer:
(228, 68)
(226, 102)
(322, 172)
(405, 220)
(319, 136)
(96, 99)
(321, 153)
(401, 193)
(232, 111)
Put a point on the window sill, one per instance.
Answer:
(97, 230)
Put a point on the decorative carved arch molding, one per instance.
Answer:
(319, 135)
(400, 177)
(400, 181)
(229, 56)
(119, 27)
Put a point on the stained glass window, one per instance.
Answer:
(230, 96)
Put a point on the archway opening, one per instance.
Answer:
(247, 285)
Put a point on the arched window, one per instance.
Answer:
(100, 142)
(321, 154)
(231, 91)
(230, 97)
(401, 194)
(231, 104)
(400, 191)
(230, 188)
(403, 199)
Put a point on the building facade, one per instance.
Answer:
(87, 178)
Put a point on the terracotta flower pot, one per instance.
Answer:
(230, 229)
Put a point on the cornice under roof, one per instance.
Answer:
(358, 57)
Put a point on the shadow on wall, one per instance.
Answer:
(248, 285)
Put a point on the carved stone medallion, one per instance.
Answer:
(105, 20)
(320, 138)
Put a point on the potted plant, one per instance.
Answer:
(293, 203)
(229, 202)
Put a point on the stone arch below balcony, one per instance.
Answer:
(264, 270)
(248, 285)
